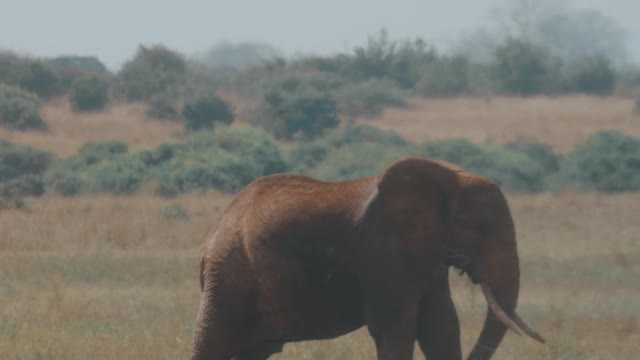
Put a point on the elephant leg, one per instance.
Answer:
(438, 326)
(261, 352)
(392, 326)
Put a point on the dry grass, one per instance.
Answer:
(69, 130)
(108, 278)
(562, 122)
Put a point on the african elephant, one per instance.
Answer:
(295, 258)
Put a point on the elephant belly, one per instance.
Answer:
(305, 306)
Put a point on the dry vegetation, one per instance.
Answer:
(68, 131)
(561, 122)
(110, 278)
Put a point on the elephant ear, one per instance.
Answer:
(413, 196)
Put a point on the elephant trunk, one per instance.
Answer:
(500, 282)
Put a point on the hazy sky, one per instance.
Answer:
(113, 29)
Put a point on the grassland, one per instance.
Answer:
(99, 277)
(561, 121)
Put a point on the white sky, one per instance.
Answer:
(113, 29)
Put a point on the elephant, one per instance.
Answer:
(295, 258)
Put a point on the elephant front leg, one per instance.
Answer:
(391, 321)
(438, 328)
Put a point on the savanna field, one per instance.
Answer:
(116, 277)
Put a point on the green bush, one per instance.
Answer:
(89, 94)
(593, 75)
(19, 160)
(225, 159)
(511, 169)
(153, 71)
(19, 109)
(305, 116)
(356, 160)
(607, 161)
(204, 112)
(74, 174)
(445, 76)
(307, 156)
(30, 74)
(523, 68)
(542, 153)
(369, 97)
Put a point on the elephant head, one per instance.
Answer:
(477, 237)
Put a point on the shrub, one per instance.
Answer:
(226, 159)
(305, 116)
(508, 168)
(369, 97)
(607, 161)
(121, 175)
(522, 67)
(19, 109)
(153, 71)
(204, 112)
(30, 74)
(593, 75)
(89, 94)
(72, 175)
(541, 153)
(445, 76)
(355, 160)
(162, 108)
(306, 156)
(19, 160)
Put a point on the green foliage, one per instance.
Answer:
(445, 76)
(305, 157)
(541, 153)
(512, 169)
(383, 58)
(304, 116)
(204, 112)
(607, 161)
(522, 67)
(21, 168)
(356, 160)
(89, 93)
(593, 75)
(30, 74)
(19, 109)
(84, 64)
(369, 97)
(19, 160)
(72, 175)
(153, 71)
(226, 159)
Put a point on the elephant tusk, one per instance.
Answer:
(497, 310)
(527, 329)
